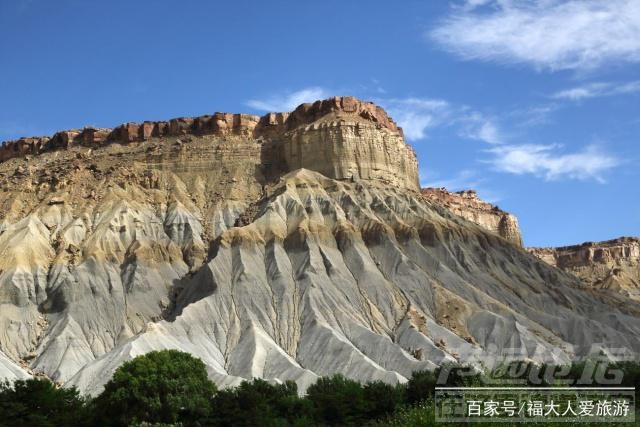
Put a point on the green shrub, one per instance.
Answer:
(337, 401)
(382, 399)
(38, 402)
(258, 403)
(412, 416)
(421, 386)
(159, 387)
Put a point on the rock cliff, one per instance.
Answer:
(612, 265)
(218, 235)
(341, 137)
(469, 206)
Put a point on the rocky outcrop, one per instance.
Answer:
(352, 150)
(194, 234)
(372, 282)
(341, 107)
(469, 206)
(612, 265)
(341, 137)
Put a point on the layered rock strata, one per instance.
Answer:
(341, 137)
(612, 265)
(209, 243)
(469, 206)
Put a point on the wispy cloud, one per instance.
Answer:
(548, 34)
(472, 4)
(414, 115)
(475, 125)
(533, 115)
(597, 89)
(288, 101)
(550, 163)
(489, 132)
(417, 115)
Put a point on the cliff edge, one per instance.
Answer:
(612, 265)
(217, 235)
(469, 206)
(340, 137)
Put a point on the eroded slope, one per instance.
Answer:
(361, 279)
(208, 235)
(612, 266)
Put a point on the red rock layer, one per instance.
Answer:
(269, 126)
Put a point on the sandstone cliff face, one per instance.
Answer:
(613, 265)
(193, 234)
(341, 137)
(469, 206)
(352, 150)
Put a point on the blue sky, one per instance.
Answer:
(534, 103)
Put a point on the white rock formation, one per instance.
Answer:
(203, 242)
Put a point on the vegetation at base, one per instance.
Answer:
(39, 403)
(159, 387)
(257, 403)
(171, 388)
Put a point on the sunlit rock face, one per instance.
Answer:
(469, 206)
(205, 235)
(341, 137)
(344, 138)
(352, 150)
(609, 266)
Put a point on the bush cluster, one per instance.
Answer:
(169, 387)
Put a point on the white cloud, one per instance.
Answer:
(289, 101)
(549, 162)
(489, 132)
(476, 3)
(548, 34)
(598, 89)
(532, 116)
(477, 126)
(416, 115)
(581, 92)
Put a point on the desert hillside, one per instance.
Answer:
(287, 246)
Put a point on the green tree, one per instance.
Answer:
(337, 401)
(631, 370)
(166, 386)
(459, 375)
(382, 399)
(258, 403)
(421, 386)
(38, 402)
